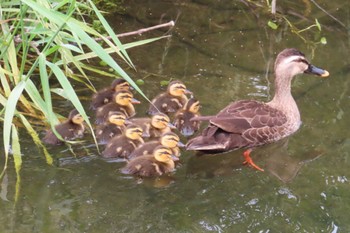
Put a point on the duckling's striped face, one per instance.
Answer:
(170, 140)
(123, 98)
(123, 86)
(77, 119)
(177, 89)
(160, 121)
(117, 119)
(163, 154)
(134, 132)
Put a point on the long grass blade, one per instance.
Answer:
(36, 139)
(10, 109)
(17, 157)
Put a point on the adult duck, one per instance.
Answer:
(249, 123)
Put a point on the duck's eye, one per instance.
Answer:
(302, 60)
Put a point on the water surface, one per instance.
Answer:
(223, 51)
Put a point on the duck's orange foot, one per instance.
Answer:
(249, 161)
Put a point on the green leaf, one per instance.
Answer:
(10, 109)
(318, 25)
(272, 25)
(323, 40)
(16, 150)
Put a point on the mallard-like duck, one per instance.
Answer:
(115, 125)
(123, 102)
(105, 95)
(70, 129)
(170, 101)
(249, 123)
(156, 164)
(169, 140)
(122, 145)
(182, 118)
(154, 126)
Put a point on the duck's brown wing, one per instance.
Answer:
(244, 115)
(243, 123)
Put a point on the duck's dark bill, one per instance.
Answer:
(318, 71)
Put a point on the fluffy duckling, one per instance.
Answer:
(123, 102)
(155, 126)
(152, 165)
(170, 101)
(105, 95)
(182, 118)
(122, 145)
(70, 129)
(169, 140)
(115, 125)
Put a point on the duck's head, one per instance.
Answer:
(161, 121)
(177, 88)
(117, 118)
(291, 62)
(192, 105)
(120, 85)
(164, 154)
(171, 140)
(75, 117)
(133, 132)
(124, 98)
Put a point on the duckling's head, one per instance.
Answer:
(164, 154)
(192, 105)
(291, 62)
(177, 88)
(120, 84)
(161, 121)
(75, 117)
(117, 118)
(170, 140)
(133, 132)
(124, 98)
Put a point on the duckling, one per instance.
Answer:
(70, 129)
(121, 146)
(115, 125)
(105, 95)
(155, 126)
(123, 102)
(249, 123)
(171, 100)
(152, 165)
(182, 118)
(169, 140)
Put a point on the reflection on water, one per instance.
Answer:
(222, 51)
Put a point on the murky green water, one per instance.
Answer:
(223, 51)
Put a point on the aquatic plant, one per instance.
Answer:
(43, 47)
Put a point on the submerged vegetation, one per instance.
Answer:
(43, 47)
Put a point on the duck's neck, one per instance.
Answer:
(283, 99)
